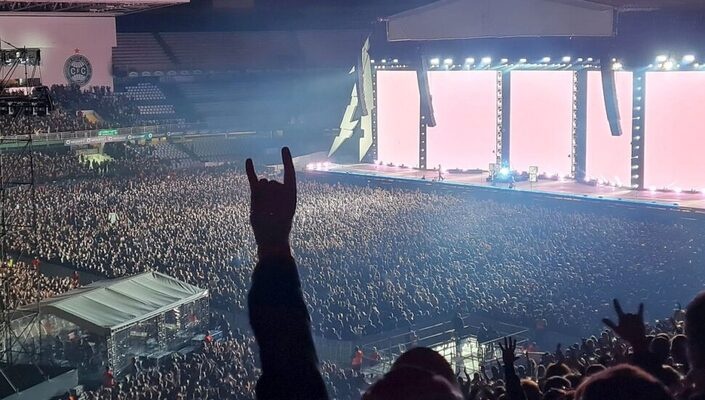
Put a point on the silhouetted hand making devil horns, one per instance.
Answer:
(272, 206)
(277, 311)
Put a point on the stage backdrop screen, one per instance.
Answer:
(674, 130)
(609, 158)
(398, 114)
(465, 107)
(541, 121)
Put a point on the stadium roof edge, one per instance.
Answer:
(83, 7)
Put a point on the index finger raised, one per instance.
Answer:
(251, 175)
(289, 172)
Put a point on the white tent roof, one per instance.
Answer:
(470, 19)
(106, 306)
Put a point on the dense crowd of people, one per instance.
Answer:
(374, 259)
(68, 104)
(371, 259)
(23, 283)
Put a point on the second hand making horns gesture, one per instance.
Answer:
(272, 205)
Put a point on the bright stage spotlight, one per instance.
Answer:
(504, 61)
(617, 66)
(469, 61)
(522, 61)
(566, 59)
(546, 60)
(448, 61)
(486, 60)
(435, 61)
(669, 65)
(688, 58)
(661, 58)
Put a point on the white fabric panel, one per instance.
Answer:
(468, 19)
(109, 305)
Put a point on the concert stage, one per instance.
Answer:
(694, 202)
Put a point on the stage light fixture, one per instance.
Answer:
(448, 61)
(546, 60)
(617, 66)
(669, 65)
(522, 60)
(469, 61)
(566, 59)
(486, 60)
(384, 61)
(590, 59)
(688, 58)
(661, 58)
(435, 61)
(395, 61)
(503, 61)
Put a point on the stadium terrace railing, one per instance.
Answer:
(155, 130)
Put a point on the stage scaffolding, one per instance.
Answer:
(17, 214)
(464, 349)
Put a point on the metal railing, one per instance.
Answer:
(157, 130)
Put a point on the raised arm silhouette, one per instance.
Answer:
(278, 314)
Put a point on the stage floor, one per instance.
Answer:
(686, 201)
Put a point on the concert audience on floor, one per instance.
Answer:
(624, 364)
(375, 259)
(22, 283)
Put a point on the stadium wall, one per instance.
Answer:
(60, 38)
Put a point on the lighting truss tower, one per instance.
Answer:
(19, 342)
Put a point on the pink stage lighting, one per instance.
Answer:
(541, 121)
(398, 114)
(674, 143)
(609, 158)
(465, 106)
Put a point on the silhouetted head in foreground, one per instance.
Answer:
(418, 374)
(695, 331)
(622, 382)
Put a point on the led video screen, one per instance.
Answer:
(541, 121)
(465, 107)
(398, 114)
(674, 130)
(609, 158)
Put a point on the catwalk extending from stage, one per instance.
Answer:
(694, 202)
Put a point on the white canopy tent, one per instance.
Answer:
(107, 306)
(471, 19)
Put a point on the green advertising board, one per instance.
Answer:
(107, 132)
